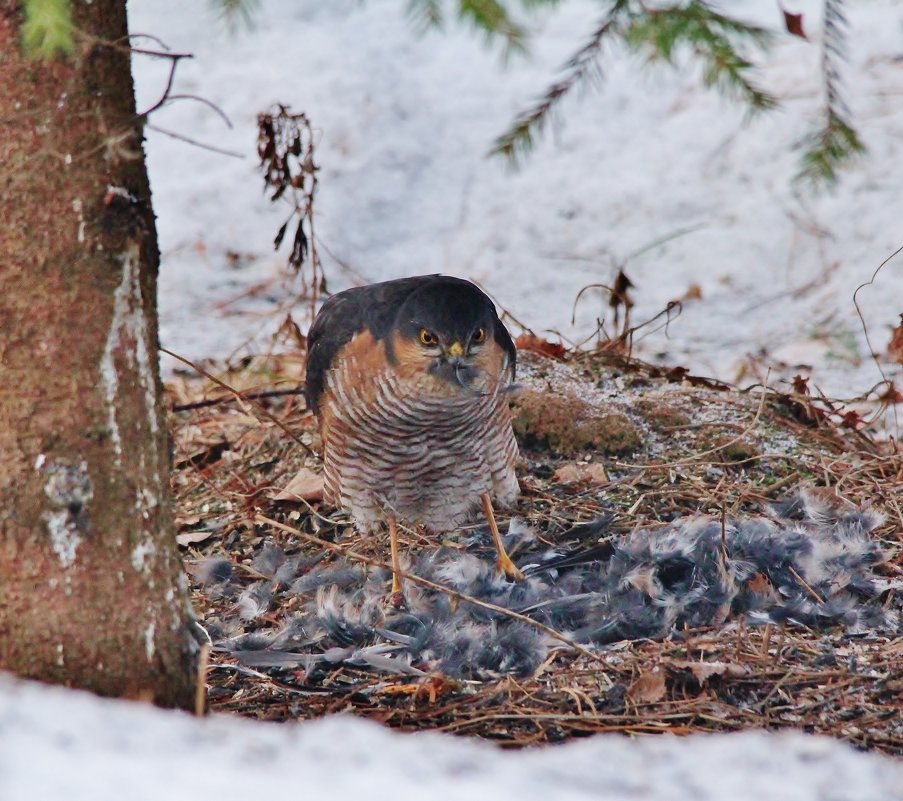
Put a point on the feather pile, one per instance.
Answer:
(809, 561)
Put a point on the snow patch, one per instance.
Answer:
(96, 749)
(404, 123)
(64, 537)
(68, 488)
(78, 208)
(140, 554)
(145, 501)
(129, 325)
(149, 646)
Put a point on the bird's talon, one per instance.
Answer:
(397, 600)
(510, 570)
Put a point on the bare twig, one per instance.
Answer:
(268, 393)
(200, 688)
(188, 140)
(865, 328)
(167, 96)
(241, 397)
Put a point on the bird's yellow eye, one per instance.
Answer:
(479, 336)
(428, 338)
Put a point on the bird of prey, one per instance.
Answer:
(409, 381)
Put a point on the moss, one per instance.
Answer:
(731, 449)
(659, 414)
(566, 424)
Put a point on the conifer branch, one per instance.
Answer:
(836, 143)
(425, 14)
(236, 12)
(491, 17)
(581, 68)
(715, 39)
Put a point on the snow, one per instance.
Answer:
(404, 123)
(57, 743)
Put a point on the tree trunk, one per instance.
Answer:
(92, 592)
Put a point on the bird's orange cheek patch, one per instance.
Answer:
(411, 361)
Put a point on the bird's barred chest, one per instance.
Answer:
(414, 447)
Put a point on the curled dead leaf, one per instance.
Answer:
(535, 344)
(760, 585)
(305, 486)
(187, 538)
(649, 688)
(891, 394)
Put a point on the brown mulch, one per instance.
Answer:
(669, 445)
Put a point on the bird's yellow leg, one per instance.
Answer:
(503, 562)
(396, 564)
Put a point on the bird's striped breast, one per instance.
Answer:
(414, 446)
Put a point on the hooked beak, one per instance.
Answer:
(453, 367)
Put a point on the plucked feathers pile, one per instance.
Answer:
(805, 562)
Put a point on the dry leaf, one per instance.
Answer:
(800, 385)
(694, 292)
(541, 346)
(891, 394)
(193, 537)
(572, 473)
(703, 671)
(895, 348)
(760, 585)
(649, 688)
(794, 24)
(305, 486)
(620, 295)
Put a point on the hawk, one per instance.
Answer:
(409, 379)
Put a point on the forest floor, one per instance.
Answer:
(600, 434)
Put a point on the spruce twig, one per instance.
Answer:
(716, 40)
(580, 68)
(237, 13)
(492, 17)
(836, 143)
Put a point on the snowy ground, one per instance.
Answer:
(404, 123)
(59, 744)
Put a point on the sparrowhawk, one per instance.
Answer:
(409, 381)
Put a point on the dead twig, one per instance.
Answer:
(241, 397)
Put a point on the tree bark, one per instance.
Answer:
(92, 592)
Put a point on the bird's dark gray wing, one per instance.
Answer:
(503, 338)
(347, 313)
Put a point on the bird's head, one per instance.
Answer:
(448, 328)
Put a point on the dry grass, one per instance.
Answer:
(699, 447)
